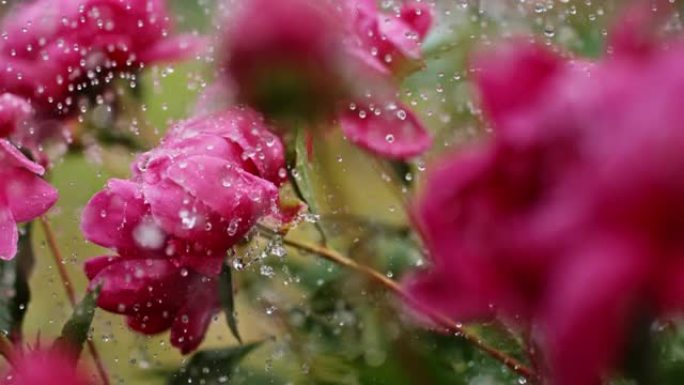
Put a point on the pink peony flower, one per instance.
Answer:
(330, 62)
(54, 51)
(567, 222)
(190, 200)
(24, 195)
(45, 367)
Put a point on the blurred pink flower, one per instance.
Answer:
(190, 200)
(568, 222)
(55, 51)
(24, 195)
(45, 367)
(285, 57)
(330, 62)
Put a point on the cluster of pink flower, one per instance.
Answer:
(171, 225)
(54, 51)
(568, 222)
(213, 177)
(565, 223)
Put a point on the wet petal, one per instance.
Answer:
(393, 131)
(175, 48)
(11, 157)
(141, 285)
(223, 187)
(28, 195)
(513, 77)
(150, 323)
(192, 320)
(589, 312)
(9, 236)
(112, 216)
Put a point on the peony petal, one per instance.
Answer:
(192, 320)
(150, 323)
(182, 215)
(175, 48)
(141, 285)
(13, 110)
(401, 38)
(513, 77)
(223, 187)
(441, 291)
(11, 157)
(588, 312)
(419, 16)
(393, 131)
(113, 215)
(94, 266)
(28, 195)
(9, 236)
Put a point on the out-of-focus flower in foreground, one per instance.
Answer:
(568, 222)
(53, 52)
(45, 367)
(190, 200)
(312, 63)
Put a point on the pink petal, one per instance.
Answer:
(180, 214)
(419, 16)
(395, 132)
(28, 195)
(401, 37)
(9, 236)
(261, 151)
(589, 310)
(513, 77)
(208, 265)
(112, 216)
(94, 266)
(193, 319)
(150, 323)
(11, 157)
(443, 291)
(224, 188)
(140, 285)
(175, 48)
(13, 110)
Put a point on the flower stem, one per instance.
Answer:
(69, 288)
(438, 318)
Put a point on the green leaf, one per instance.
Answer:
(76, 329)
(302, 167)
(302, 179)
(228, 301)
(211, 367)
(14, 289)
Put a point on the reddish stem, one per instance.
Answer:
(438, 318)
(69, 288)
